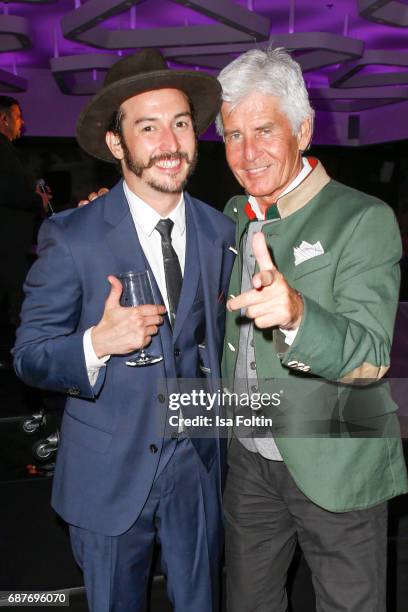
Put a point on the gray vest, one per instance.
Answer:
(246, 377)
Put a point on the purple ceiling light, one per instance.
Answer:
(323, 49)
(11, 83)
(348, 56)
(351, 74)
(14, 33)
(355, 100)
(83, 25)
(233, 15)
(14, 36)
(391, 12)
(81, 75)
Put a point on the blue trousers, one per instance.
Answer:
(183, 511)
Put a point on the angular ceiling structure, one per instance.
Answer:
(354, 53)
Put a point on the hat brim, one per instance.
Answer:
(203, 90)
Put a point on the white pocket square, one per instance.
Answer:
(306, 251)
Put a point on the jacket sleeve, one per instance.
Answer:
(354, 341)
(49, 347)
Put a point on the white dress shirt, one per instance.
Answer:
(145, 219)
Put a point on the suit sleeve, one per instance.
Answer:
(49, 348)
(354, 341)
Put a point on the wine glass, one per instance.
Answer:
(137, 290)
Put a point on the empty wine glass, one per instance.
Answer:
(137, 290)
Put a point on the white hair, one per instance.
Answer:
(272, 72)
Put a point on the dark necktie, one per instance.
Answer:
(172, 269)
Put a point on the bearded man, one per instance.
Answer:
(120, 481)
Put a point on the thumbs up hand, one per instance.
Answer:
(272, 302)
(123, 330)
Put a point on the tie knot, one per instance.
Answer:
(164, 227)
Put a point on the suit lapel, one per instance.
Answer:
(124, 243)
(210, 255)
(121, 235)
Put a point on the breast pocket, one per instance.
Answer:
(312, 265)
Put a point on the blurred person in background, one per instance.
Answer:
(20, 203)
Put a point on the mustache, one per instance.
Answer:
(180, 155)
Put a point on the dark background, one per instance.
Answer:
(380, 170)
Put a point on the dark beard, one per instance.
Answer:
(137, 168)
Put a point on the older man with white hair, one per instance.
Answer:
(313, 297)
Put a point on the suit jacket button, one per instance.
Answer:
(73, 391)
(177, 352)
(161, 398)
(153, 448)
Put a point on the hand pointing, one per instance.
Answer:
(272, 302)
(267, 269)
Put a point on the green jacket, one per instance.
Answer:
(350, 297)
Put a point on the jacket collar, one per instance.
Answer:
(305, 191)
(117, 209)
(290, 203)
(116, 206)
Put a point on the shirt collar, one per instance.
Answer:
(307, 168)
(146, 218)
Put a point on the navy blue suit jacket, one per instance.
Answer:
(105, 467)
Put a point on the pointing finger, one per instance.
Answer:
(261, 252)
(243, 300)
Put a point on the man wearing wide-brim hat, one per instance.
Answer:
(121, 480)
